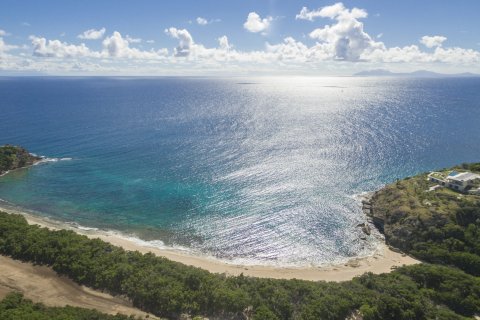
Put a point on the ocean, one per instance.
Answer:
(254, 171)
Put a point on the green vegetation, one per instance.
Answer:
(12, 157)
(440, 226)
(15, 307)
(168, 289)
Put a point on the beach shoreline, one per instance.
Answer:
(383, 259)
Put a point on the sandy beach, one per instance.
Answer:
(382, 261)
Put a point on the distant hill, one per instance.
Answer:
(415, 74)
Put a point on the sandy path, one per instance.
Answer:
(42, 284)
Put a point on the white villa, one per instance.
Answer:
(467, 182)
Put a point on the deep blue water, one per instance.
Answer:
(261, 170)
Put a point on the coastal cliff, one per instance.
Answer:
(432, 223)
(15, 157)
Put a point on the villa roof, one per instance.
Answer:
(465, 176)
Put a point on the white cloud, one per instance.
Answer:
(432, 41)
(185, 41)
(255, 23)
(396, 54)
(456, 55)
(5, 47)
(413, 54)
(345, 39)
(57, 49)
(332, 12)
(202, 21)
(190, 51)
(116, 46)
(3, 33)
(289, 49)
(133, 40)
(92, 34)
(340, 44)
(288, 54)
(223, 43)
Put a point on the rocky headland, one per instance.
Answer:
(15, 157)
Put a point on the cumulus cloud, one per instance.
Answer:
(256, 24)
(345, 39)
(396, 54)
(432, 41)
(289, 49)
(117, 46)
(114, 46)
(5, 47)
(92, 34)
(325, 12)
(57, 49)
(456, 55)
(185, 41)
(340, 39)
(202, 21)
(8, 61)
(223, 43)
(190, 51)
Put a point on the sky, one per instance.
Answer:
(237, 37)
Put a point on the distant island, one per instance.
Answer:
(414, 74)
(437, 224)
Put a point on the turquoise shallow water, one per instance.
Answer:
(255, 171)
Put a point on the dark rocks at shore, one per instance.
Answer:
(367, 210)
(365, 228)
(396, 235)
(377, 218)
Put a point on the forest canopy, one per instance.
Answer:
(169, 289)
